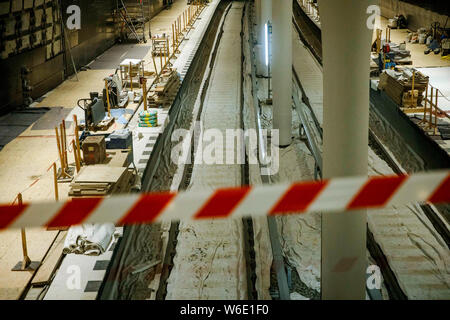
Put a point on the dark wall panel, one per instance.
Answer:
(97, 33)
(49, 65)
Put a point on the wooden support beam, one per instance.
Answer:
(77, 138)
(26, 264)
(65, 142)
(58, 143)
(75, 156)
(26, 260)
(173, 38)
(131, 76)
(424, 119)
(55, 181)
(144, 92)
(107, 98)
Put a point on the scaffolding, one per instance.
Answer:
(133, 20)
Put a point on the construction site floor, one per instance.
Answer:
(27, 158)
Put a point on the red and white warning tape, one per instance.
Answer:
(333, 195)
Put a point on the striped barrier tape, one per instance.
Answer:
(334, 195)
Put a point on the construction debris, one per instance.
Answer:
(102, 180)
(163, 94)
(396, 84)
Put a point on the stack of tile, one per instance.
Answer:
(101, 180)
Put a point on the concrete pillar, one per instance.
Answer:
(282, 69)
(346, 41)
(266, 15)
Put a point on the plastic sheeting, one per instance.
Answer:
(89, 239)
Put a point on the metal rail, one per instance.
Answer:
(277, 253)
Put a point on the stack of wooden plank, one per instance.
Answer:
(396, 87)
(165, 91)
(101, 180)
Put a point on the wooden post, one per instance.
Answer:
(424, 119)
(107, 98)
(77, 139)
(26, 264)
(65, 141)
(26, 260)
(131, 76)
(154, 65)
(58, 142)
(75, 156)
(412, 89)
(161, 59)
(379, 32)
(165, 54)
(177, 31)
(173, 38)
(144, 92)
(431, 108)
(55, 181)
(436, 112)
(67, 162)
(168, 50)
(63, 163)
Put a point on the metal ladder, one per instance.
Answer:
(132, 24)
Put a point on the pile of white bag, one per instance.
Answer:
(89, 239)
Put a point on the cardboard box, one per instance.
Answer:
(94, 149)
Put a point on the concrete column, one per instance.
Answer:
(346, 41)
(266, 15)
(282, 69)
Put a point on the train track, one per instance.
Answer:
(119, 283)
(247, 222)
(111, 288)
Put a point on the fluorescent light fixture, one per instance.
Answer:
(266, 34)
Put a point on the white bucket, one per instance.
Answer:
(422, 38)
(393, 23)
(130, 95)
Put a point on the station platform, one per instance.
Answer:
(34, 179)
